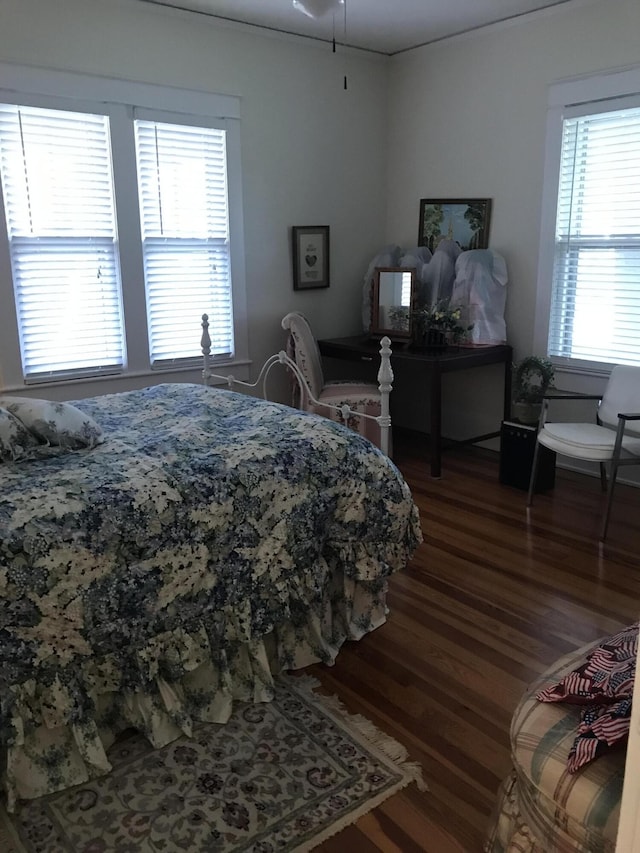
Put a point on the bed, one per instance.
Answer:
(210, 541)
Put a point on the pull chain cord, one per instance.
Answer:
(344, 30)
(345, 37)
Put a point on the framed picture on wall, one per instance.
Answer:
(310, 256)
(464, 220)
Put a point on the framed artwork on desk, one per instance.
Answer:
(464, 220)
(310, 245)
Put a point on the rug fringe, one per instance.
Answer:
(390, 747)
(302, 681)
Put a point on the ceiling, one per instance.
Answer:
(382, 26)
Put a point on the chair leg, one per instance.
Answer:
(534, 473)
(612, 482)
(603, 476)
(613, 473)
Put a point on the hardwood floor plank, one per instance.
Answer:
(418, 826)
(388, 835)
(351, 838)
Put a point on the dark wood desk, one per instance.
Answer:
(435, 363)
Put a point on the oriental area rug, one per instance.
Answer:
(282, 776)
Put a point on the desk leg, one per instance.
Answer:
(435, 385)
(507, 389)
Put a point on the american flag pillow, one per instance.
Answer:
(606, 675)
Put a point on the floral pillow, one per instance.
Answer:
(606, 675)
(54, 423)
(15, 439)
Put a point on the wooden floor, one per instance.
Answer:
(494, 595)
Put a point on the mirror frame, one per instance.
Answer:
(376, 327)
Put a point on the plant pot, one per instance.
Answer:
(431, 339)
(527, 413)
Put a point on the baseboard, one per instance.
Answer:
(493, 446)
(577, 468)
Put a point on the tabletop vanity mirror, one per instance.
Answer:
(393, 289)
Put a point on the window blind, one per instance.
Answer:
(595, 308)
(57, 187)
(182, 187)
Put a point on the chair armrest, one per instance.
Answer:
(623, 417)
(562, 395)
(569, 395)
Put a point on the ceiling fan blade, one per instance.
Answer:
(317, 8)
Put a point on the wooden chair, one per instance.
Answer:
(613, 438)
(360, 396)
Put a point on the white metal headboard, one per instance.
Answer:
(385, 382)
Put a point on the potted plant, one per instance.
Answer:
(532, 377)
(438, 326)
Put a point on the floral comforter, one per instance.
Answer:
(210, 541)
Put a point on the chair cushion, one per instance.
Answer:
(563, 811)
(584, 441)
(303, 349)
(351, 393)
(361, 397)
(622, 394)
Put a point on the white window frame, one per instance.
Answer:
(563, 99)
(117, 99)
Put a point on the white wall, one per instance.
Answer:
(312, 153)
(467, 119)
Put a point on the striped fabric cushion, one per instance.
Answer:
(542, 806)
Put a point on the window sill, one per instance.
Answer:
(111, 383)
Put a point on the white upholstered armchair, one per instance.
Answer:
(360, 396)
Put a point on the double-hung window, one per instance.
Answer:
(57, 184)
(595, 310)
(122, 226)
(588, 301)
(182, 182)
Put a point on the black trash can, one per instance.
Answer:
(517, 446)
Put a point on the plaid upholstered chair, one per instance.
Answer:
(564, 792)
(360, 396)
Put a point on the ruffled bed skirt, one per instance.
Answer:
(69, 745)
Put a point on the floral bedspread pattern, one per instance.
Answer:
(210, 541)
